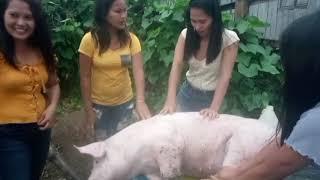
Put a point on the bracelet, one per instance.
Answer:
(139, 100)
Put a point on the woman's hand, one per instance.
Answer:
(88, 124)
(143, 110)
(47, 119)
(209, 113)
(169, 107)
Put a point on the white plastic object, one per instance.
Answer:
(269, 117)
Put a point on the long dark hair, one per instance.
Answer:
(100, 31)
(192, 42)
(299, 50)
(41, 37)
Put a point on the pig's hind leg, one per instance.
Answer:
(239, 147)
(245, 143)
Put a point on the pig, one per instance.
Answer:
(179, 144)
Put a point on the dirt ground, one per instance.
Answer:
(65, 158)
(65, 135)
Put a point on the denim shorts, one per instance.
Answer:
(111, 119)
(192, 99)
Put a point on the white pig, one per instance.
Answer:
(168, 146)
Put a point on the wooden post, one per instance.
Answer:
(241, 8)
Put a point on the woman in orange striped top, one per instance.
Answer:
(29, 89)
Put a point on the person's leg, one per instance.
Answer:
(121, 116)
(40, 143)
(15, 153)
(109, 117)
(102, 123)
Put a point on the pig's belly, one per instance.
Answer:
(205, 157)
(202, 164)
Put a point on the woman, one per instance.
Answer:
(300, 127)
(29, 89)
(106, 53)
(210, 51)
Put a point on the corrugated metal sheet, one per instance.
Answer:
(279, 13)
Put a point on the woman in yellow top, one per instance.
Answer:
(29, 89)
(106, 53)
(210, 50)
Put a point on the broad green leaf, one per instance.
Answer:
(242, 26)
(178, 16)
(243, 47)
(168, 58)
(250, 71)
(252, 39)
(145, 23)
(254, 48)
(147, 54)
(273, 58)
(244, 59)
(151, 43)
(269, 68)
(154, 33)
(164, 15)
(256, 22)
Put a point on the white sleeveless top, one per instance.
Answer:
(205, 76)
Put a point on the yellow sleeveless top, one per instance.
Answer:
(22, 98)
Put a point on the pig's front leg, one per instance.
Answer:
(241, 146)
(237, 145)
(169, 157)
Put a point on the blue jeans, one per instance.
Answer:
(191, 99)
(109, 118)
(23, 151)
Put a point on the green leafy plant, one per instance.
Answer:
(257, 77)
(158, 24)
(69, 20)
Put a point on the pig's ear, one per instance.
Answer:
(96, 150)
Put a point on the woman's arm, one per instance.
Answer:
(54, 96)
(175, 76)
(138, 74)
(229, 57)
(85, 79)
(273, 162)
(47, 119)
